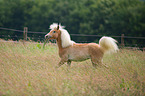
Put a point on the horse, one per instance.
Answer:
(70, 51)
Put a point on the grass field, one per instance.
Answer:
(29, 70)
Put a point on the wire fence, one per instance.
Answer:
(39, 36)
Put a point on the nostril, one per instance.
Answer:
(48, 36)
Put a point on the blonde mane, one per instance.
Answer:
(65, 37)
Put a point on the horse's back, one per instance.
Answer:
(87, 46)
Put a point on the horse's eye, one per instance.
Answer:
(54, 31)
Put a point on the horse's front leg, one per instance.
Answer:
(60, 63)
(68, 63)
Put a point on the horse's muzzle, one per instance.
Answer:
(47, 36)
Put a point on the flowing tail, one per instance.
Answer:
(108, 44)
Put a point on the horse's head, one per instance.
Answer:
(58, 31)
(53, 34)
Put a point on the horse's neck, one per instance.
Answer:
(59, 43)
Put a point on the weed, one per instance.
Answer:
(25, 69)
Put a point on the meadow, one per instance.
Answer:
(26, 69)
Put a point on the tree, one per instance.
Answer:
(90, 17)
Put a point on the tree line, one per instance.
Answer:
(91, 17)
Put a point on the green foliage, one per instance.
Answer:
(38, 46)
(97, 17)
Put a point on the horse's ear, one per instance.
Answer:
(58, 27)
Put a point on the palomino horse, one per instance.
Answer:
(71, 51)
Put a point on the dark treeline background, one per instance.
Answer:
(90, 17)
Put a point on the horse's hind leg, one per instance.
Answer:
(98, 62)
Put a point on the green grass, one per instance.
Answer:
(27, 69)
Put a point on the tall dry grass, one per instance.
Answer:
(27, 69)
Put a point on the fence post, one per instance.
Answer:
(25, 33)
(122, 40)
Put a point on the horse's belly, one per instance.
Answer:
(78, 57)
